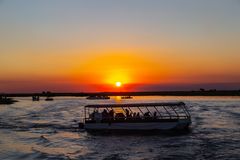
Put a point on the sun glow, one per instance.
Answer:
(117, 72)
(118, 84)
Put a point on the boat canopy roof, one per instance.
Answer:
(135, 105)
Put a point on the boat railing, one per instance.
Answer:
(149, 111)
(142, 118)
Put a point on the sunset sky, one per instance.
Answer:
(89, 45)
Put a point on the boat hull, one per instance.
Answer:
(139, 126)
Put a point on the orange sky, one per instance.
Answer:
(100, 72)
(83, 46)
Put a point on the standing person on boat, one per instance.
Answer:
(138, 116)
(111, 114)
(155, 115)
(104, 114)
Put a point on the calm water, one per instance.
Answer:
(46, 130)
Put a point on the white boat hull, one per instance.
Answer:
(180, 124)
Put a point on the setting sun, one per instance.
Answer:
(118, 84)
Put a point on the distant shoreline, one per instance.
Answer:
(155, 93)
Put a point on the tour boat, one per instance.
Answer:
(136, 117)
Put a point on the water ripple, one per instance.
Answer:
(48, 130)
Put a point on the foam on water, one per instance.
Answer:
(48, 130)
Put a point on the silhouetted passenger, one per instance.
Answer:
(155, 115)
(127, 113)
(130, 116)
(119, 116)
(134, 116)
(93, 115)
(138, 116)
(147, 115)
(111, 114)
(97, 116)
(104, 114)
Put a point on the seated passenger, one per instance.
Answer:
(120, 116)
(97, 117)
(127, 113)
(147, 115)
(134, 116)
(91, 116)
(138, 116)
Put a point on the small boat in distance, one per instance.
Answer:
(137, 117)
(98, 97)
(6, 100)
(49, 99)
(35, 98)
(126, 97)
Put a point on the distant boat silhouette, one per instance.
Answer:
(35, 98)
(5, 100)
(49, 99)
(126, 97)
(98, 97)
